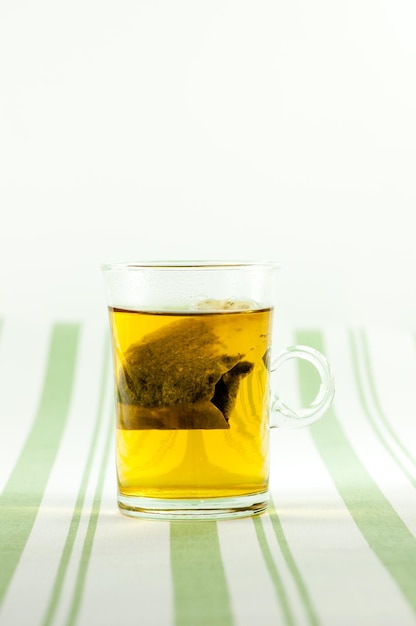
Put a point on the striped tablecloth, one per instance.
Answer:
(338, 545)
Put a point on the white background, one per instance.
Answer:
(157, 129)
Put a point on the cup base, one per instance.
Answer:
(204, 509)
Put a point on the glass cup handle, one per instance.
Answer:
(282, 415)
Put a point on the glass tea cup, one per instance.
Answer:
(191, 345)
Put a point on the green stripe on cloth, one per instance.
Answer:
(367, 411)
(22, 495)
(378, 522)
(291, 564)
(200, 589)
(376, 401)
(76, 516)
(92, 526)
(274, 574)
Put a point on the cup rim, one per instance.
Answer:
(191, 265)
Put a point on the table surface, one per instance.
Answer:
(337, 545)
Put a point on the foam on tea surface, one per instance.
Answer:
(210, 304)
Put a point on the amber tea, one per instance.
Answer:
(192, 402)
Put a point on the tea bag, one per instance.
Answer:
(177, 378)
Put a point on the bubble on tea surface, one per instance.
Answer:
(230, 304)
